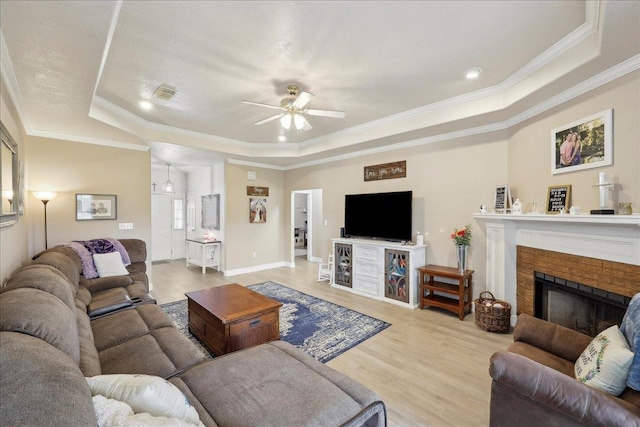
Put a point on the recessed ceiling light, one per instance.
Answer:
(282, 138)
(473, 73)
(145, 105)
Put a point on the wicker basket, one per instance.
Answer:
(492, 315)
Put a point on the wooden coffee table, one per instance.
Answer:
(231, 317)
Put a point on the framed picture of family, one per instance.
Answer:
(584, 144)
(96, 206)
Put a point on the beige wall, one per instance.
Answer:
(69, 168)
(530, 148)
(243, 238)
(449, 180)
(13, 238)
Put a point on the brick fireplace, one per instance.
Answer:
(621, 279)
(600, 251)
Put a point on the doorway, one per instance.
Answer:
(306, 216)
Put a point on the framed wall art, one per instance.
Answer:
(257, 210)
(584, 144)
(96, 206)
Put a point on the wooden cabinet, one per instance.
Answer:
(455, 296)
(379, 270)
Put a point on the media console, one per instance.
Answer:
(384, 271)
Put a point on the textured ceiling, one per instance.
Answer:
(77, 70)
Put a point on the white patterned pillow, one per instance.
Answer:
(145, 393)
(606, 361)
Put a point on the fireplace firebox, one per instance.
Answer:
(576, 306)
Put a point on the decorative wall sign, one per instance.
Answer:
(96, 206)
(502, 200)
(584, 144)
(385, 171)
(257, 210)
(558, 199)
(257, 191)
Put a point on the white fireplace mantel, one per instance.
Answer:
(609, 237)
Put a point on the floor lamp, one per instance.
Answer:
(45, 197)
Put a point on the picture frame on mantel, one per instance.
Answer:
(583, 144)
(558, 199)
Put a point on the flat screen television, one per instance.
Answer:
(385, 216)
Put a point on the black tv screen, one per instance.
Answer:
(384, 216)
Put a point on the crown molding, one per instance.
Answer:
(256, 164)
(11, 83)
(94, 141)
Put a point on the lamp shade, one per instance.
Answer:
(44, 196)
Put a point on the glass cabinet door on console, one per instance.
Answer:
(396, 274)
(343, 263)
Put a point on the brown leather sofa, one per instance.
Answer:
(534, 384)
(48, 345)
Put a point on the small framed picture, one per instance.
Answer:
(257, 210)
(583, 144)
(91, 207)
(558, 199)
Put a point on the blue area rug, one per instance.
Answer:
(322, 329)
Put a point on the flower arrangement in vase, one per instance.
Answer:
(462, 236)
(462, 239)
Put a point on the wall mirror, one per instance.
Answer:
(211, 211)
(9, 178)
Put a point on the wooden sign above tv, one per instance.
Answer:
(385, 171)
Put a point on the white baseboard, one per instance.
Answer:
(255, 268)
(316, 259)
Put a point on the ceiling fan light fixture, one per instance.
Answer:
(168, 187)
(282, 138)
(285, 121)
(298, 120)
(473, 73)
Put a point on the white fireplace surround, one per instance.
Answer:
(608, 237)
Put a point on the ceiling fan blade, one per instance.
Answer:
(259, 104)
(302, 100)
(306, 125)
(326, 113)
(268, 119)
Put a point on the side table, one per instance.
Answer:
(452, 297)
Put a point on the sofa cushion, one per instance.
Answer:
(44, 278)
(277, 384)
(41, 386)
(63, 263)
(605, 363)
(136, 248)
(44, 317)
(145, 393)
(117, 328)
(543, 357)
(163, 352)
(630, 327)
(109, 265)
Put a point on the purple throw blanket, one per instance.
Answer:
(86, 249)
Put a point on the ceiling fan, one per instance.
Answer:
(294, 111)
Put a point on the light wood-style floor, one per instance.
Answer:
(429, 368)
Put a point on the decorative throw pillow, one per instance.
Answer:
(109, 265)
(631, 330)
(605, 363)
(145, 393)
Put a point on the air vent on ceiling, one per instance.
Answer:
(165, 92)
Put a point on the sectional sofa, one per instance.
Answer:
(52, 354)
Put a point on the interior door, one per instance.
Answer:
(161, 227)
